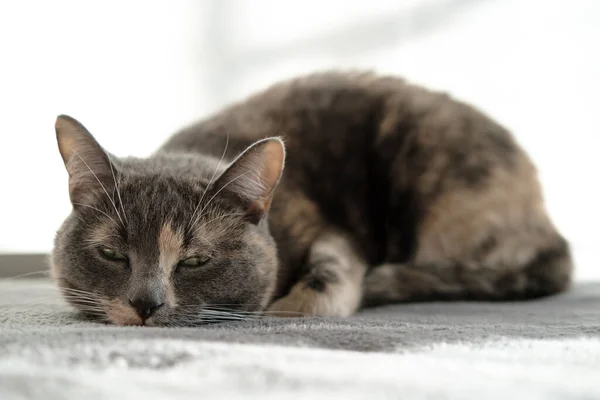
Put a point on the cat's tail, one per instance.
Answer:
(547, 273)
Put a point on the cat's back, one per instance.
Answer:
(409, 173)
(332, 112)
(362, 147)
(305, 111)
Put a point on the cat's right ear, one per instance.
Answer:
(252, 177)
(89, 167)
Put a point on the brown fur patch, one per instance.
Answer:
(121, 314)
(509, 206)
(336, 300)
(170, 247)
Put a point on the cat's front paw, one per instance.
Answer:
(288, 306)
(304, 301)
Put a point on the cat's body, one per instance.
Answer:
(424, 195)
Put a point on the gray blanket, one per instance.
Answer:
(543, 349)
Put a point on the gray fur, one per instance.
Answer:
(391, 193)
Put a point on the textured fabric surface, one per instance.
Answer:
(540, 349)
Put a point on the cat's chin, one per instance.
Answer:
(130, 320)
(150, 322)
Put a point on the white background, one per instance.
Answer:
(135, 71)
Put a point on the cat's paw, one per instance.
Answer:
(288, 306)
(304, 301)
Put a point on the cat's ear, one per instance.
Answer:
(252, 177)
(89, 167)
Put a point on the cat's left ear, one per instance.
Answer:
(253, 176)
(89, 167)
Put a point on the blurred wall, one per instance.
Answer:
(135, 71)
(129, 70)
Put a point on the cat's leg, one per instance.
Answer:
(332, 285)
(484, 239)
(546, 272)
(466, 254)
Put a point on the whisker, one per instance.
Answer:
(258, 313)
(192, 316)
(231, 311)
(82, 294)
(191, 221)
(229, 306)
(117, 188)
(91, 242)
(103, 188)
(100, 211)
(27, 274)
(82, 300)
(90, 306)
(214, 315)
(72, 289)
(95, 313)
(222, 314)
(221, 217)
(79, 300)
(85, 308)
(78, 291)
(219, 191)
(94, 302)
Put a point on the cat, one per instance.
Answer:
(320, 195)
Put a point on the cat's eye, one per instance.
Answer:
(194, 261)
(112, 254)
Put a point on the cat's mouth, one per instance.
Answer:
(120, 314)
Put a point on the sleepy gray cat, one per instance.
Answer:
(391, 193)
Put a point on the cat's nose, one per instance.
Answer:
(145, 306)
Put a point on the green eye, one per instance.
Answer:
(112, 254)
(194, 261)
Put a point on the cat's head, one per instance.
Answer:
(169, 240)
